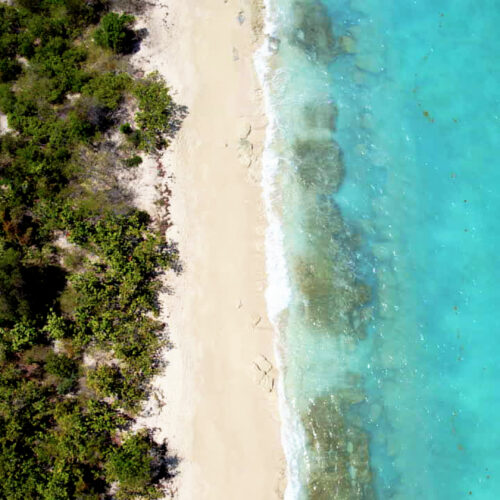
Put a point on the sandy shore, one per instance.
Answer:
(221, 413)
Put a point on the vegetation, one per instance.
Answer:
(114, 32)
(79, 267)
(155, 112)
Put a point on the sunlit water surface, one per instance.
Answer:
(381, 170)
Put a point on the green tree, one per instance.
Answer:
(114, 32)
(108, 88)
(61, 365)
(59, 437)
(131, 466)
(155, 111)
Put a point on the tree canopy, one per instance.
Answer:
(79, 265)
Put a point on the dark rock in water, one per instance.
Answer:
(274, 44)
(331, 297)
(333, 300)
(319, 164)
(347, 44)
(339, 450)
(313, 31)
(321, 115)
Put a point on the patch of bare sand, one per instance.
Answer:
(216, 402)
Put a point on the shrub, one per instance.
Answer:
(135, 138)
(58, 186)
(60, 62)
(135, 161)
(65, 369)
(105, 380)
(126, 129)
(114, 32)
(57, 328)
(61, 365)
(22, 336)
(155, 112)
(7, 99)
(107, 88)
(131, 466)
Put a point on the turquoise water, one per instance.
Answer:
(381, 169)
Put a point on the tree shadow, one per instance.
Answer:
(135, 39)
(178, 113)
(165, 464)
(135, 7)
(43, 286)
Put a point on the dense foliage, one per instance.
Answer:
(114, 32)
(79, 266)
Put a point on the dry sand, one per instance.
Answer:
(221, 413)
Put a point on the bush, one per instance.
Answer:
(108, 88)
(135, 138)
(135, 161)
(105, 380)
(126, 129)
(57, 328)
(77, 264)
(61, 365)
(155, 112)
(65, 369)
(61, 63)
(114, 32)
(131, 466)
(7, 99)
(21, 337)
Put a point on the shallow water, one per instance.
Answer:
(381, 182)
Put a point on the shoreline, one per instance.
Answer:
(217, 406)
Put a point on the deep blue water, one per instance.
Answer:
(383, 146)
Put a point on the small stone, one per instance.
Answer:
(369, 63)
(348, 44)
(241, 17)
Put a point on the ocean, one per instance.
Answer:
(382, 189)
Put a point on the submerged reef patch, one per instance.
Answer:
(331, 297)
(339, 467)
(320, 116)
(319, 164)
(312, 31)
(330, 302)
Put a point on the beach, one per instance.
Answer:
(218, 404)
(248, 250)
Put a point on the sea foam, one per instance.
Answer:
(278, 290)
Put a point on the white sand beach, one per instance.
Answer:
(221, 411)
